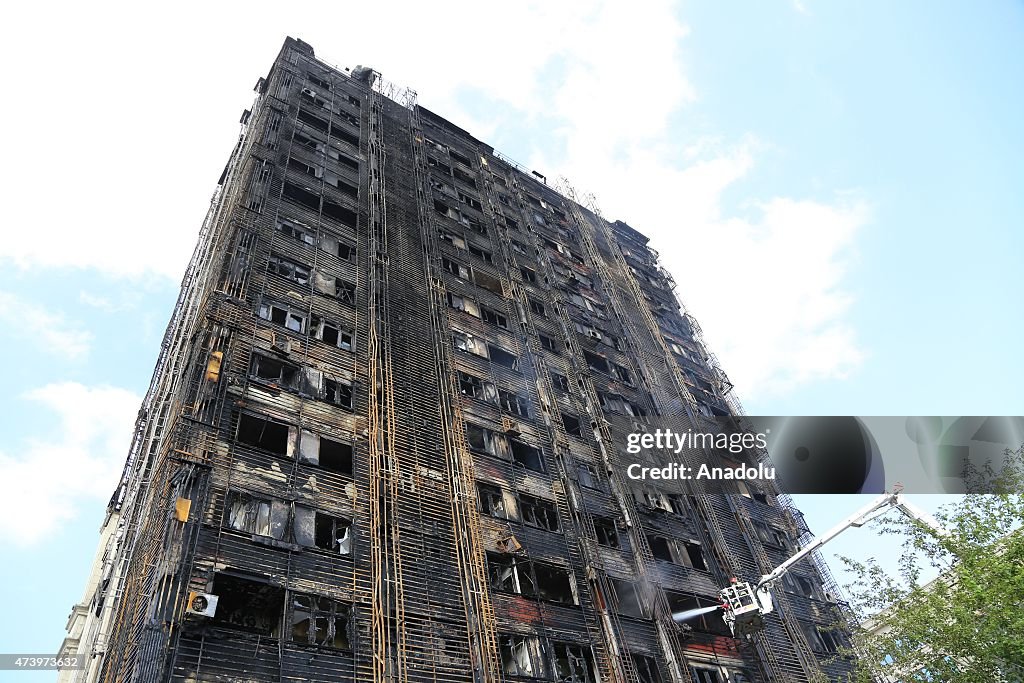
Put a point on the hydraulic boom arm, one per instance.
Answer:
(745, 606)
(874, 509)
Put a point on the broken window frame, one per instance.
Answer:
(770, 535)
(491, 501)
(309, 169)
(692, 554)
(474, 225)
(491, 283)
(340, 135)
(346, 251)
(289, 269)
(597, 362)
(451, 238)
(492, 317)
(606, 532)
(283, 315)
(554, 583)
(685, 553)
(333, 534)
(622, 374)
(573, 425)
(705, 674)
(272, 447)
(456, 269)
(678, 505)
(448, 212)
(507, 573)
(561, 382)
(539, 513)
(550, 343)
(480, 253)
(511, 402)
(592, 333)
(259, 364)
(663, 548)
(573, 663)
(678, 349)
(502, 357)
(444, 188)
(308, 142)
(520, 655)
(647, 669)
(470, 201)
(628, 601)
(345, 291)
(653, 498)
(342, 462)
(248, 513)
(339, 392)
(589, 476)
(264, 603)
(472, 386)
(464, 341)
(619, 405)
(464, 304)
(315, 610)
(798, 584)
(830, 639)
(345, 339)
(492, 442)
(530, 457)
(295, 230)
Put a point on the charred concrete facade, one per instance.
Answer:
(375, 445)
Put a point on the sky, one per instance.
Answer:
(835, 187)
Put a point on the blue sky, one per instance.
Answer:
(835, 186)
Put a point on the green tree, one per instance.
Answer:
(967, 625)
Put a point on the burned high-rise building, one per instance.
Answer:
(378, 444)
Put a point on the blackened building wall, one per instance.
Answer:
(377, 432)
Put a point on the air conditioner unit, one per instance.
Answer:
(510, 427)
(203, 604)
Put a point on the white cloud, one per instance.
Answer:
(78, 461)
(765, 280)
(157, 127)
(124, 299)
(32, 324)
(769, 293)
(115, 174)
